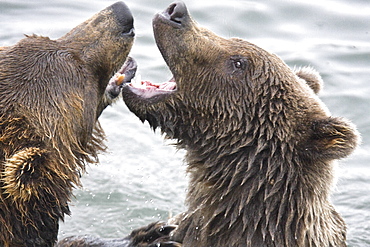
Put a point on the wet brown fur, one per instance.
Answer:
(260, 144)
(51, 94)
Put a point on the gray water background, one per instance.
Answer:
(142, 177)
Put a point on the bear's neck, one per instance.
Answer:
(254, 193)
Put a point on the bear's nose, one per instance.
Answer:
(177, 11)
(124, 17)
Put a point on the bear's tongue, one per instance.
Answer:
(147, 89)
(147, 85)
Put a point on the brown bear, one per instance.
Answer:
(260, 144)
(51, 95)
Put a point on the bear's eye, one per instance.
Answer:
(239, 63)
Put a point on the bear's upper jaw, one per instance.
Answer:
(147, 89)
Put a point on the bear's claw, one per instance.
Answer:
(166, 244)
(167, 229)
(154, 235)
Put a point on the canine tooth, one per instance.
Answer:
(136, 82)
(119, 78)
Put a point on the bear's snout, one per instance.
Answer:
(176, 12)
(124, 18)
(176, 15)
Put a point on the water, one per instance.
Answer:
(142, 178)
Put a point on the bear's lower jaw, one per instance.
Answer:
(147, 89)
(124, 75)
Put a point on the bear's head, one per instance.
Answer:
(51, 95)
(233, 90)
(259, 141)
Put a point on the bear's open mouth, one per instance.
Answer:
(147, 89)
(126, 73)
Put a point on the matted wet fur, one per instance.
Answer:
(260, 144)
(51, 95)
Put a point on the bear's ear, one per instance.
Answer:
(31, 175)
(311, 77)
(23, 171)
(332, 138)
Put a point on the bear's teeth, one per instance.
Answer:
(119, 78)
(136, 82)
